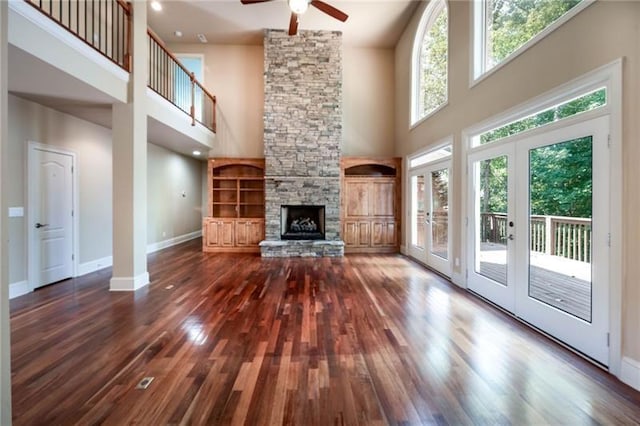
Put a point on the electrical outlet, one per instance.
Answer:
(457, 262)
(164, 234)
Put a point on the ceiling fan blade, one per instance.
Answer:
(329, 10)
(293, 24)
(253, 1)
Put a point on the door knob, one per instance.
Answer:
(41, 225)
(511, 237)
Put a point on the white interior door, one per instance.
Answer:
(539, 226)
(430, 223)
(51, 216)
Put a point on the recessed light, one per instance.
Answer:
(177, 33)
(196, 153)
(155, 5)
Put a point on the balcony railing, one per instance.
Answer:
(171, 80)
(104, 25)
(568, 237)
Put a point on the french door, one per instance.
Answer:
(430, 216)
(538, 232)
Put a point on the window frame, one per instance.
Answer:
(478, 70)
(429, 16)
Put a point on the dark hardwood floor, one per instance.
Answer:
(238, 339)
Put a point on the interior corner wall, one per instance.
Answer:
(235, 75)
(169, 175)
(598, 35)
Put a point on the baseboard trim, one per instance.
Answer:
(154, 247)
(129, 283)
(95, 265)
(18, 289)
(107, 261)
(630, 372)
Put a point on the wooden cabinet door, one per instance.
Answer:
(249, 232)
(356, 198)
(391, 235)
(383, 198)
(357, 233)
(256, 232)
(350, 235)
(211, 233)
(226, 232)
(383, 234)
(242, 233)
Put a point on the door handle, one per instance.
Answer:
(511, 237)
(41, 225)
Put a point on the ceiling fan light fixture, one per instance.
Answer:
(298, 6)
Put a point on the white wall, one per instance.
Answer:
(168, 174)
(174, 195)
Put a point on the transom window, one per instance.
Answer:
(430, 61)
(503, 28)
(583, 103)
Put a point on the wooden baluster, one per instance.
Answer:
(193, 95)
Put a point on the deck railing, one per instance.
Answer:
(568, 237)
(171, 80)
(104, 25)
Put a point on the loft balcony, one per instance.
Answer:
(75, 55)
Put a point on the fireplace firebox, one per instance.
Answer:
(302, 222)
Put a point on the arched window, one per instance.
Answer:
(430, 61)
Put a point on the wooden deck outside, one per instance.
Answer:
(556, 281)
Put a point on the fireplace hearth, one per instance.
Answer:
(302, 223)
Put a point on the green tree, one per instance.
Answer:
(560, 179)
(514, 22)
(433, 65)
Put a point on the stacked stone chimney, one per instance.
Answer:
(302, 135)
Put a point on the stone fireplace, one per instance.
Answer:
(302, 138)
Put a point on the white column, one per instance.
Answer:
(5, 330)
(130, 168)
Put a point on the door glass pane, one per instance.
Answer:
(491, 255)
(417, 211)
(560, 208)
(440, 213)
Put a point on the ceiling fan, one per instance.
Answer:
(298, 7)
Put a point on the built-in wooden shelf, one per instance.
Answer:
(235, 221)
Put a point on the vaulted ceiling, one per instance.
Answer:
(371, 23)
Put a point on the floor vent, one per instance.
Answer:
(144, 383)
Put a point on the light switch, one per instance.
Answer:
(16, 211)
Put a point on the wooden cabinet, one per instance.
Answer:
(371, 205)
(356, 233)
(249, 233)
(235, 220)
(218, 232)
